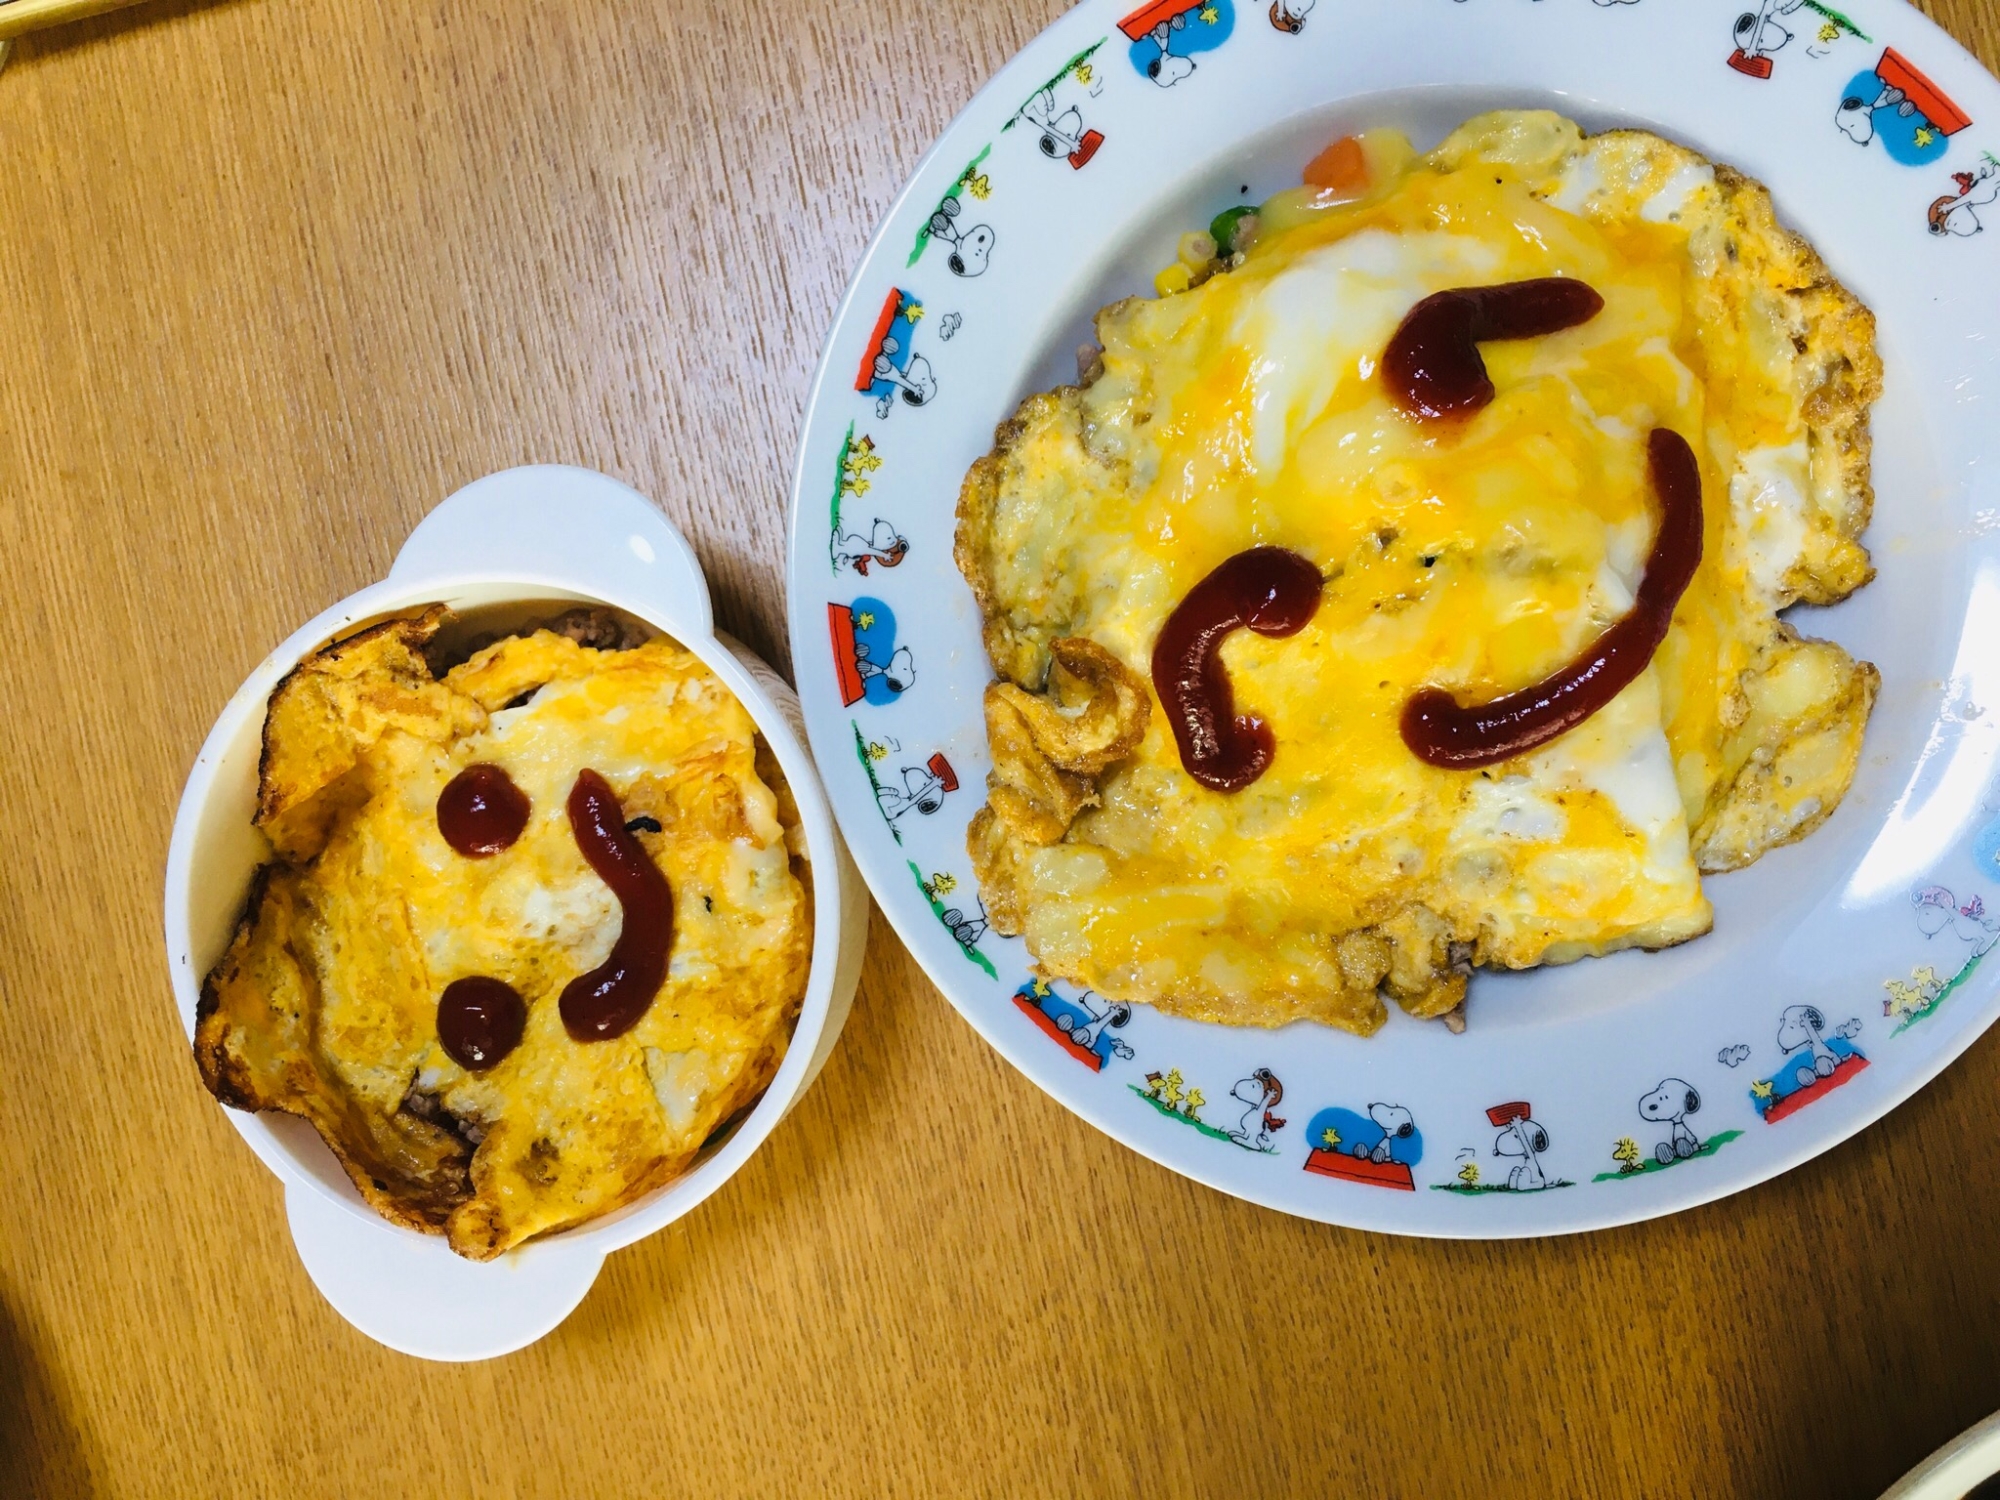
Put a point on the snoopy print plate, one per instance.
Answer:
(1843, 972)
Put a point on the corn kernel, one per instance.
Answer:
(1195, 249)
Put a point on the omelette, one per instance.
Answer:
(1248, 412)
(495, 1121)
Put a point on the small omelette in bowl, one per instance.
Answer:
(535, 928)
(1399, 592)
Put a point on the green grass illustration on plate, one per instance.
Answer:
(1473, 1189)
(930, 888)
(1165, 1094)
(1839, 20)
(1922, 993)
(874, 781)
(971, 181)
(1636, 1167)
(1074, 65)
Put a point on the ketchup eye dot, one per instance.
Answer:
(481, 812)
(480, 1021)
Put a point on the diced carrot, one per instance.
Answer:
(1341, 166)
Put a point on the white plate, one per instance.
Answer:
(1082, 169)
(536, 534)
(1957, 1471)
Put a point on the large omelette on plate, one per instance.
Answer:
(1474, 556)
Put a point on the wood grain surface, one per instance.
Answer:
(274, 278)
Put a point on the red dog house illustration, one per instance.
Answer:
(1897, 71)
(840, 625)
(939, 767)
(1057, 1034)
(1146, 17)
(1798, 1099)
(892, 307)
(1388, 1174)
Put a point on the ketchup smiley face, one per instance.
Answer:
(1270, 590)
(608, 1001)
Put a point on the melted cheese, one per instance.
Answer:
(1478, 556)
(1479, 559)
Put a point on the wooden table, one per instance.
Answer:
(274, 278)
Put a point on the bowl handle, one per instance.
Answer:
(408, 1290)
(555, 524)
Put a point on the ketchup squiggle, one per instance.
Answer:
(1444, 732)
(608, 1001)
(1433, 366)
(1269, 590)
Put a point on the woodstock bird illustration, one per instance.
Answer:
(1913, 995)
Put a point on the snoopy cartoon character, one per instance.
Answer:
(1759, 33)
(1802, 1028)
(1377, 1148)
(1169, 68)
(896, 674)
(1670, 1104)
(882, 547)
(1063, 134)
(1938, 909)
(1087, 1032)
(1397, 1124)
(891, 367)
(1261, 1091)
(1520, 1135)
(1289, 16)
(1163, 32)
(1856, 115)
(1896, 104)
(866, 659)
(968, 930)
(1817, 1058)
(924, 788)
(913, 377)
(971, 247)
(1953, 213)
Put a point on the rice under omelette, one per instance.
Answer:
(326, 1004)
(1478, 557)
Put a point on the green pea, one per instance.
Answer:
(1222, 228)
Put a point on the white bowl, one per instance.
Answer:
(1957, 1469)
(529, 534)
